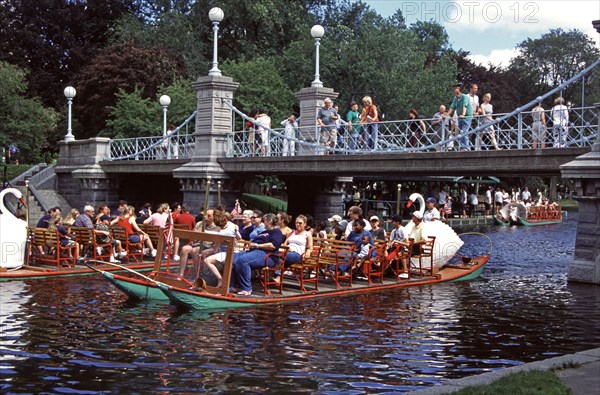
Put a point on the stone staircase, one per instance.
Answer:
(42, 194)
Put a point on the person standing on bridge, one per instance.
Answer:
(264, 125)
(290, 126)
(353, 118)
(560, 122)
(326, 119)
(538, 128)
(369, 117)
(462, 106)
(487, 110)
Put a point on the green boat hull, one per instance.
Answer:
(142, 290)
(524, 222)
(192, 301)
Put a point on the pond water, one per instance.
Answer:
(80, 335)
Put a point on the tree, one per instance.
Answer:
(24, 121)
(121, 67)
(261, 86)
(555, 57)
(138, 116)
(53, 40)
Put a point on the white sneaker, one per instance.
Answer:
(403, 275)
(99, 250)
(113, 260)
(121, 255)
(145, 251)
(153, 253)
(176, 258)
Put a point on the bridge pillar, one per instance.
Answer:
(80, 178)
(318, 196)
(213, 122)
(585, 171)
(311, 100)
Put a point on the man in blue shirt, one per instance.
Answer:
(462, 106)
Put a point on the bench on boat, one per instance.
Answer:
(154, 232)
(90, 245)
(45, 248)
(134, 250)
(336, 259)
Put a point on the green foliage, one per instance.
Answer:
(136, 116)
(261, 86)
(120, 67)
(24, 120)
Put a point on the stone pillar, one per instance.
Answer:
(80, 178)
(585, 171)
(213, 122)
(318, 196)
(311, 100)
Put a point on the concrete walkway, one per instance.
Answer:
(582, 379)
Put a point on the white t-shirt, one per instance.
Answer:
(430, 215)
(560, 115)
(442, 196)
(349, 226)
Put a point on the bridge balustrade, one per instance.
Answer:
(510, 131)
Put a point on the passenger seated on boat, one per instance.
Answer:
(194, 250)
(103, 236)
(216, 255)
(395, 244)
(416, 237)
(134, 233)
(365, 248)
(85, 220)
(356, 236)
(44, 222)
(300, 243)
(247, 225)
(63, 236)
(244, 262)
(257, 221)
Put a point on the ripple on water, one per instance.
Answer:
(82, 336)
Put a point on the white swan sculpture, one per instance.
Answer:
(13, 234)
(447, 242)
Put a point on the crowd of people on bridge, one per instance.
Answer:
(359, 128)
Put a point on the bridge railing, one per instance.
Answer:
(177, 145)
(518, 131)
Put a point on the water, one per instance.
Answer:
(79, 335)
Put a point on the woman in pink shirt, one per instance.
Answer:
(160, 217)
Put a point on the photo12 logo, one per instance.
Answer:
(471, 11)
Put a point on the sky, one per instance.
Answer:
(490, 30)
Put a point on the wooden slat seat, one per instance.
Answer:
(425, 254)
(154, 232)
(405, 253)
(46, 248)
(85, 238)
(374, 267)
(267, 272)
(307, 270)
(332, 256)
(134, 250)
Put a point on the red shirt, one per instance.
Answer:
(186, 219)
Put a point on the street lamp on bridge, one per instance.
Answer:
(317, 32)
(164, 101)
(215, 15)
(69, 93)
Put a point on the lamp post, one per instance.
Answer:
(317, 32)
(398, 199)
(164, 101)
(215, 15)
(70, 93)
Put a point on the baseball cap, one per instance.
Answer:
(374, 218)
(335, 218)
(104, 218)
(430, 200)
(396, 218)
(417, 215)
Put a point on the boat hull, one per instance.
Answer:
(139, 289)
(197, 300)
(525, 222)
(37, 272)
(501, 222)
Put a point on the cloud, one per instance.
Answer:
(497, 57)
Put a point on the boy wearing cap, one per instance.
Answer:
(397, 237)
(103, 236)
(431, 213)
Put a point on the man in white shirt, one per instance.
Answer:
(526, 196)
(487, 201)
(560, 122)
(355, 212)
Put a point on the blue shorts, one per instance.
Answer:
(135, 238)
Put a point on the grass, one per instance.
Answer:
(533, 382)
(13, 170)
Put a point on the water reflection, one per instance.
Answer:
(65, 335)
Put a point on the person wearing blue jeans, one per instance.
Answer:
(369, 117)
(269, 240)
(462, 106)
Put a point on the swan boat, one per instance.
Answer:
(160, 284)
(14, 250)
(518, 213)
